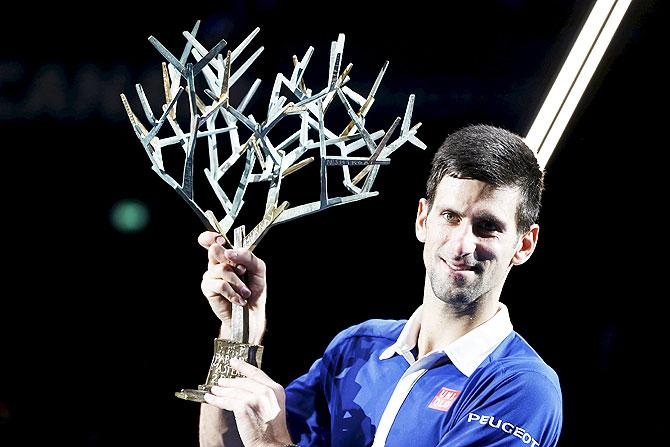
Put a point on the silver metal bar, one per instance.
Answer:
(359, 142)
(240, 314)
(382, 143)
(244, 44)
(572, 80)
(322, 153)
(244, 181)
(275, 184)
(212, 143)
(240, 117)
(248, 96)
(299, 70)
(358, 99)
(274, 95)
(378, 81)
(407, 119)
(357, 122)
(290, 140)
(218, 191)
(150, 136)
(187, 183)
(187, 48)
(145, 104)
(243, 68)
(314, 207)
(166, 54)
(209, 56)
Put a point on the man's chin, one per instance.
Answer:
(456, 291)
(456, 297)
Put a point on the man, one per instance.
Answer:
(455, 374)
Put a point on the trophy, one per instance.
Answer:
(264, 160)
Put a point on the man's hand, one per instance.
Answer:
(221, 284)
(258, 404)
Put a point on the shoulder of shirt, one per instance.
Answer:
(377, 328)
(518, 361)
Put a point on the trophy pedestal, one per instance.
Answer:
(224, 350)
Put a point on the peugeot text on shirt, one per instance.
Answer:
(507, 427)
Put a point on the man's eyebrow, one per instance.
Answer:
(450, 209)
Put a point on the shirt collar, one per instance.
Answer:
(468, 351)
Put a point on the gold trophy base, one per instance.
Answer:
(224, 350)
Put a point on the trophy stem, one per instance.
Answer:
(240, 323)
(240, 320)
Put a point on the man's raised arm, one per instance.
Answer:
(221, 285)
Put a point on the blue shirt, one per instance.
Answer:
(489, 388)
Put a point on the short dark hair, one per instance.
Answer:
(494, 156)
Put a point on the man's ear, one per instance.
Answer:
(421, 216)
(526, 245)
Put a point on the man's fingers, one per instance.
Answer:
(240, 258)
(207, 238)
(216, 254)
(259, 400)
(235, 399)
(213, 287)
(234, 393)
(253, 386)
(224, 402)
(252, 372)
(222, 271)
(243, 256)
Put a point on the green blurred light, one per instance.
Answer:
(129, 216)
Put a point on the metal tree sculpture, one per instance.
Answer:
(264, 161)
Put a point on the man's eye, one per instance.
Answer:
(449, 216)
(488, 227)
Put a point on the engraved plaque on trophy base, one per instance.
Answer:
(224, 350)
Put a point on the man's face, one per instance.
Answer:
(470, 240)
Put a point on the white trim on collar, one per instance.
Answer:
(407, 338)
(467, 352)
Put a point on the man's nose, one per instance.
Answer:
(463, 240)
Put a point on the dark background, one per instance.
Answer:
(98, 327)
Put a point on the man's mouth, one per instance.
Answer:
(460, 267)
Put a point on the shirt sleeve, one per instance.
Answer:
(307, 410)
(523, 411)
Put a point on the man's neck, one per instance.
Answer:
(442, 325)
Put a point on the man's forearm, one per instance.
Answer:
(217, 428)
